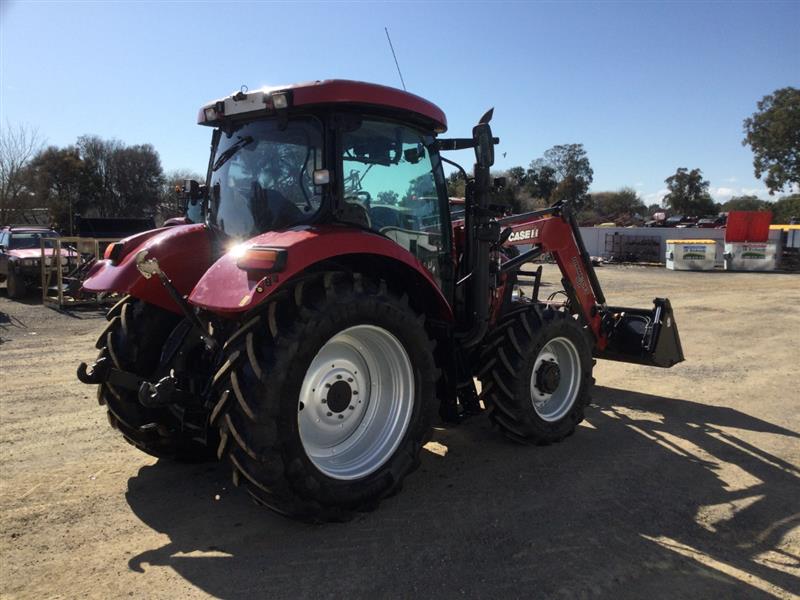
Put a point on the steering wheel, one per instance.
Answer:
(362, 197)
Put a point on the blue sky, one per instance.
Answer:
(647, 87)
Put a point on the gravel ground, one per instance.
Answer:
(682, 483)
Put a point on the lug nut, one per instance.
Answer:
(327, 385)
(330, 414)
(338, 377)
(341, 416)
(350, 379)
(351, 407)
(324, 400)
(355, 392)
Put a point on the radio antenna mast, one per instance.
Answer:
(386, 29)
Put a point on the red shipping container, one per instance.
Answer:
(748, 226)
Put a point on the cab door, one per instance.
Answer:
(392, 183)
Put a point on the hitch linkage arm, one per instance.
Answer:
(103, 371)
(149, 267)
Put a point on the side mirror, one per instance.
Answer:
(483, 140)
(192, 190)
(484, 145)
(193, 193)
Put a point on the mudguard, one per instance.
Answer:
(228, 289)
(183, 252)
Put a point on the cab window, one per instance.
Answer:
(392, 185)
(31, 240)
(261, 177)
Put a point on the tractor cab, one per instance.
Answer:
(330, 152)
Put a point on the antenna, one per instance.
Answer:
(386, 29)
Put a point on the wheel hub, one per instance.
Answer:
(548, 377)
(355, 402)
(555, 379)
(339, 396)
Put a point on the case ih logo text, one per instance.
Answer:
(527, 234)
(579, 278)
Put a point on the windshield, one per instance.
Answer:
(27, 241)
(262, 177)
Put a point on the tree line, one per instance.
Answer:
(100, 177)
(564, 172)
(94, 177)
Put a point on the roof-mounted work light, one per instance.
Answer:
(280, 100)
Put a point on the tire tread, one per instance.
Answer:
(262, 457)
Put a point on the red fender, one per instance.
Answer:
(228, 289)
(183, 252)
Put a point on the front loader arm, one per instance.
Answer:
(554, 230)
(641, 336)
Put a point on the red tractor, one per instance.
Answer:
(310, 329)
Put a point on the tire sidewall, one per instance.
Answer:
(553, 326)
(338, 316)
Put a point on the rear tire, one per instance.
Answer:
(536, 376)
(16, 286)
(133, 340)
(293, 381)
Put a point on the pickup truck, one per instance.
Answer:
(21, 256)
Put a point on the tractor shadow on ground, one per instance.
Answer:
(654, 496)
(81, 313)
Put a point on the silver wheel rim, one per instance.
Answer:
(356, 402)
(553, 396)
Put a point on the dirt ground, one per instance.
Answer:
(682, 483)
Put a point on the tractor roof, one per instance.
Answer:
(318, 93)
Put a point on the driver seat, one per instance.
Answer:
(355, 213)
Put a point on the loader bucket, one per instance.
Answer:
(645, 337)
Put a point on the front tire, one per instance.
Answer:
(329, 398)
(537, 375)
